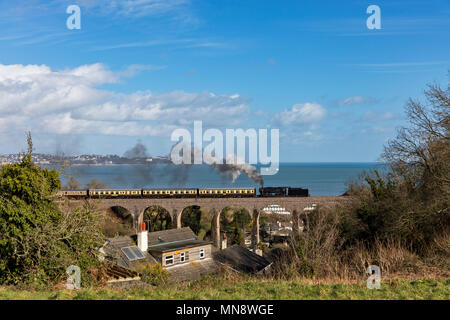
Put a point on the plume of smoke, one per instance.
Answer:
(144, 172)
(178, 174)
(138, 151)
(229, 169)
(233, 167)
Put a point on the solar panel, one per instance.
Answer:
(133, 253)
(137, 252)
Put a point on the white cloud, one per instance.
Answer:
(375, 117)
(307, 113)
(70, 102)
(356, 100)
(138, 8)
(148, 7)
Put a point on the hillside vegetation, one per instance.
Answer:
(251, 290)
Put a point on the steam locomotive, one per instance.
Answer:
(184, 193)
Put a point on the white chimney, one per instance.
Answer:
(142, 238)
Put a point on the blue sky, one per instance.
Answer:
(138, 69)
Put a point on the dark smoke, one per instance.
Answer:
(138, 151)
(178, 175)
(228, 172)
(143, 172)
(232, 171)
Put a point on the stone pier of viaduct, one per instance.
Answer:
(254, 206)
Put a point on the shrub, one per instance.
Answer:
(38, 241)
(154, 274)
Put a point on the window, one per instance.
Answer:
(182, 256)
(202, 253)
(169, 260)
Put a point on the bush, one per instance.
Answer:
(38, 241)
(154, 274)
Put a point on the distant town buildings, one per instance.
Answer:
(47, 159)
(275, 209)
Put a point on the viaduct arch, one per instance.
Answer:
(254, 206)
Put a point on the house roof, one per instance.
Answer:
(112, 249)
(177, 245)
(192, 270)
(241, 259)
(170, 235)
(173, 239)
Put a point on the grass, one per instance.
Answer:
(210, 289)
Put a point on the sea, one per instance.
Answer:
(322, 179)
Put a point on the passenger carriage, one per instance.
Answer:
(169, 193)
(79, 194)
(114, 193)
(227, 192)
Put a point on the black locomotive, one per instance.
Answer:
(283, 192)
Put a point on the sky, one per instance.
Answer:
(137, 70)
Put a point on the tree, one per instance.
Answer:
(234, 221)
(95, 184)
(198, 220)
(158, 218)
(409, 203)
(38, 241)
(192, 218)
(73, 184)
(237, 236)
(420, 154)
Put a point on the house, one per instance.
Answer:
(240, 259)
(177, 246)
(179, 251)
(280, 229)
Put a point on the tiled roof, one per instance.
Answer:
(241, 259)
(192, 270)
(177, 245)
(170, 236)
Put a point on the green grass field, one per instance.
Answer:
(250, 289)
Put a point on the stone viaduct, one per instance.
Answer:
(254, 206)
